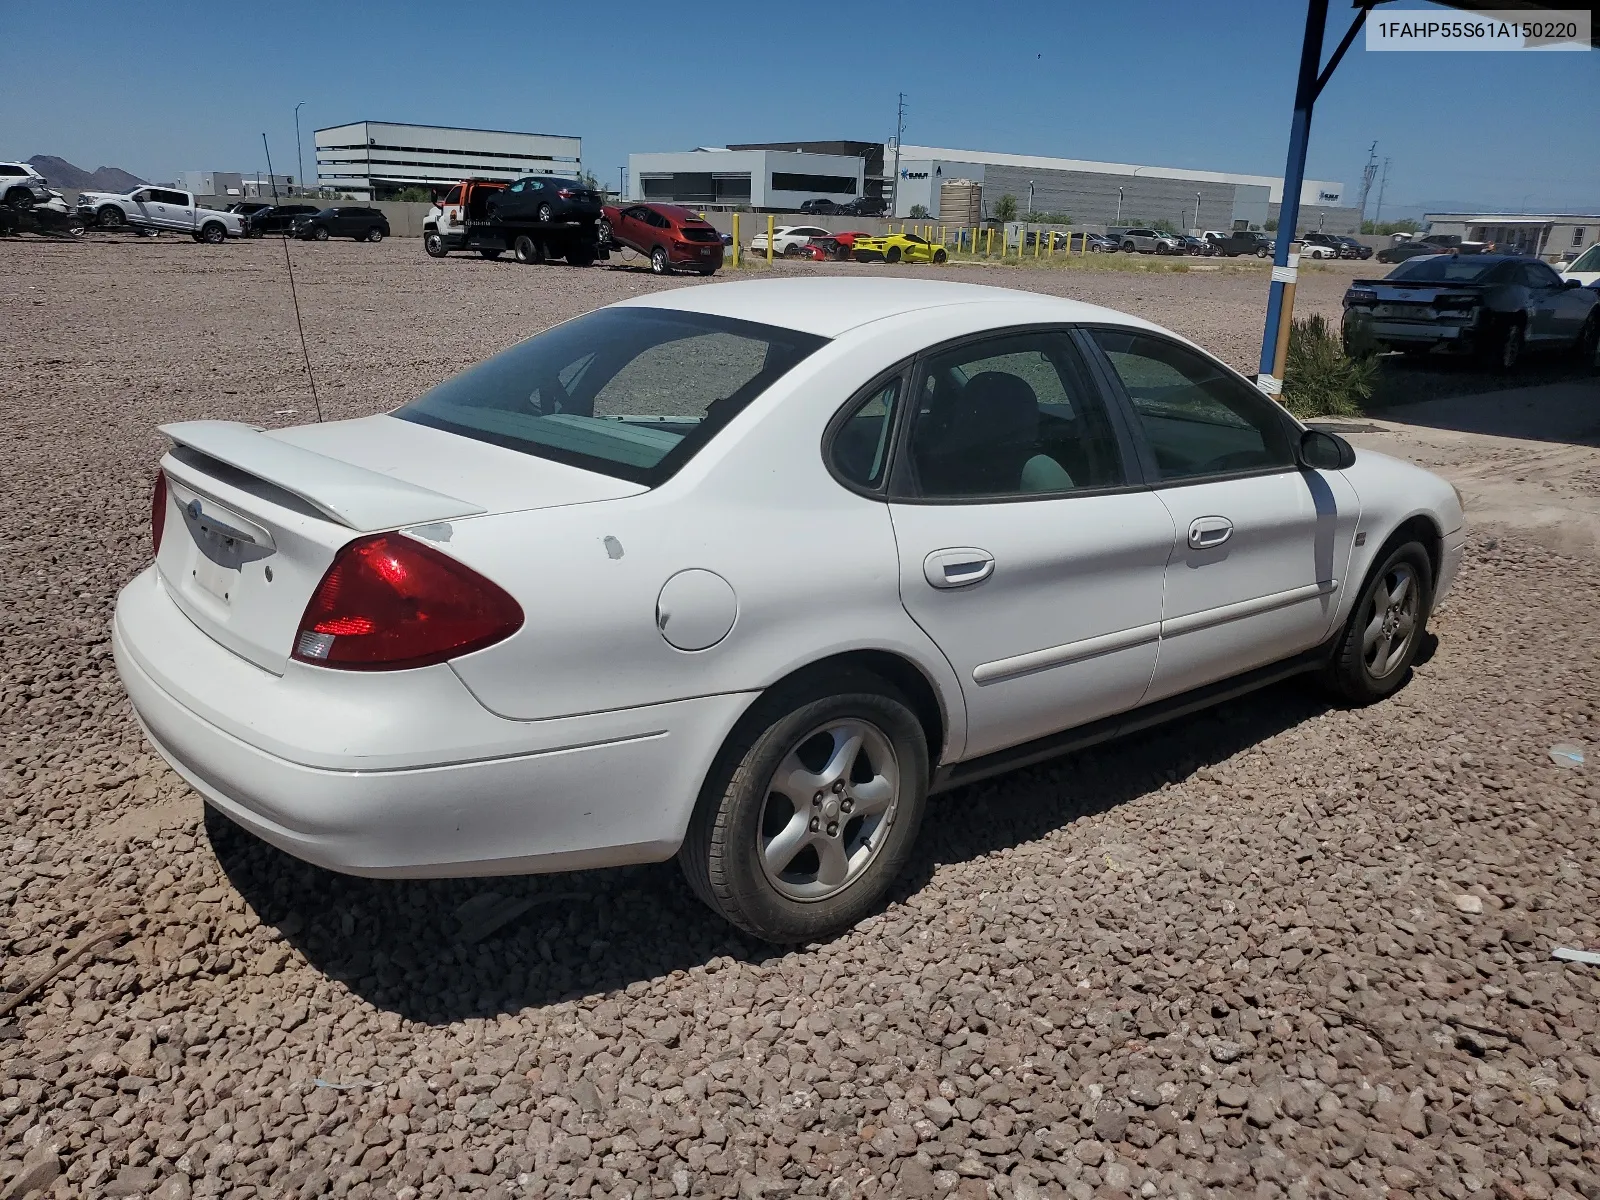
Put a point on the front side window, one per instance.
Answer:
(628, 392)
(1011, 416)
(1198, 419)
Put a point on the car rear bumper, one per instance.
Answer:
(404, 773)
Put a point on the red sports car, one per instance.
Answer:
(836, 247)
(673, 237)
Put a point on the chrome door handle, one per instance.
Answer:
(1207, 533)
(958, 566)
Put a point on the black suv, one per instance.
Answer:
(1242, 241)
(363, 224)
(863, 206)
(276, 218)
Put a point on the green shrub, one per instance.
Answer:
(1320, 378)
(414, 195)
(919, 212)
(1005, 208)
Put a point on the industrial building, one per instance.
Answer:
(1092, 193)
(1551, 236)
(372, 160)
(760, 179)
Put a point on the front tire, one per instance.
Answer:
(374, 234)
(110, 216)
(1380, 641)
(433, 244)
(893, 256)
(811, 810)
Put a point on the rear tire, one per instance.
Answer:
(1128, 247)
(20, 199)
(658, 262)
(546, 214)
(1379, 643)
(374, 234)
(491, 255)
(1587, 347)
(581, 256)
(939, 256)
(527, 251)
(110, 216)
(213, 234)
(749, 854)
(1502, 351)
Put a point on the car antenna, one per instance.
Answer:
(293, 294)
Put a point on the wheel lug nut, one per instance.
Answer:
(838, 787)
(847, 805)
(833, 829)
(817, 799)
(815, 824)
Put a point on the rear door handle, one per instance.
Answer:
(1207, 533)
(958, 566)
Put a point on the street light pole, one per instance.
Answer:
(1197, 210)
(1030, 197)
(1118, 221)
(299, 158)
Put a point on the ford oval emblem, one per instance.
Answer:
(193, 510)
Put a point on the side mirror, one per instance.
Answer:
(1572, 283)
(1322, 451)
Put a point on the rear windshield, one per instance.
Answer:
(1589, 260)
(628, 392)
(700, 233)
(1445, 268)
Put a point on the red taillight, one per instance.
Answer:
(158, 511)
(389, 602)
(566, 193)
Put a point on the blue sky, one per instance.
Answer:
(159, 88)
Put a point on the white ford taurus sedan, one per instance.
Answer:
(740, 573)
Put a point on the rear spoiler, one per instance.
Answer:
(353, 496)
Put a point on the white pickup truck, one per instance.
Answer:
(156, 210)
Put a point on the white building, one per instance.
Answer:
(371, 160)
(237, 184)
(775, 179)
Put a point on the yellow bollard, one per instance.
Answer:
(735, 241)
(1038, 246)
(988, 250)
(769, 237)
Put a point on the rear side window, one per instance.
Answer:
(1197, 419)
(628, 392)
(859, 452)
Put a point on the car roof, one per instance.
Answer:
(833, 305)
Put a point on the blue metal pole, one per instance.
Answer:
(1294, 170)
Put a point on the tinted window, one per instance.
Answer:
(5, 170)
(1540, 276)
(1446, 268)
(1198, 419)
(1589, 260)
(860, 448)
(453, 196)
(629, 392)
(1011, 416)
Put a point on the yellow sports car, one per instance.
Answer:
(898, 247)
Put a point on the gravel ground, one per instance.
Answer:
(1278, 950)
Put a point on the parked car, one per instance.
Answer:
(1585, 268)
(1356, 249)
(1188, 244)
(21, 185)
(564, 611)
(1491, 305)
(545, 199)
(362, 224)
(1148, 241)
(1242, 241)
(156, 210)
(1101, 243)
(460, 220)
(786, 239)
(1322, 245)
(836, 247)
(276, 218)
(247, 208)
(672, 237)
(1401, 251)
(898, 247)
(864, 206)
(819, 208)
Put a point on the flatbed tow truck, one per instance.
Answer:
(461, 221)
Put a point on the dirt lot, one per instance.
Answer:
(1278, 950)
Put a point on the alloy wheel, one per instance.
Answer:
(1389, 623)
(829, 808)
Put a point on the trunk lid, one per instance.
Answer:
(1423, 300)
(255, 517)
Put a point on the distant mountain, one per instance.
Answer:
(59, 173)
